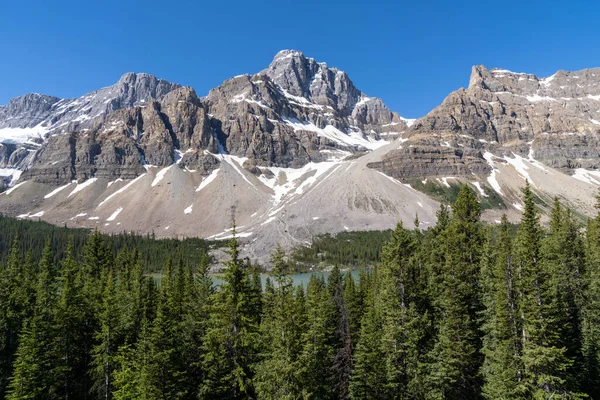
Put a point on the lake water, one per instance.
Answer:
(297, 279)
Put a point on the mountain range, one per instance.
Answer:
(293, 151)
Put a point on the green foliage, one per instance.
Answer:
(455, 311)
(437, 190)
(153, 253)
(354, 249)
(448, 195)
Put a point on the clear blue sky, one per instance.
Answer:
(411, 54)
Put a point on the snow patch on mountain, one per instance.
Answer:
(332, 133)
(207, 180)
(22, 135)
(114, 215)
(55, 191)
(81, 186)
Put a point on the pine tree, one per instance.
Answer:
(398, 300)
(501, 345)
(14, 307)
(342, 338)
(133, 378)
(562, 257)
(276, 375)
(318, 353)
(544, 361)
(30, 378)
(354, 304)
(72, 356)
(369, 374)
(193, 326)
(455, 357)
(107, 338)
(231, 336)
(162, 372)
(591, 308)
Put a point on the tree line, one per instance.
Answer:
(154, 253)
(459, 311)
(356, 249)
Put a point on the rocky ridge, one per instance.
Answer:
(555, 119)
(298, 150)
(295, 112)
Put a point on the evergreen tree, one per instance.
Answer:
(455, 357)
(30, 379)
(369, 374)
(318, 353)
(107, 338)
(398, 300)
(591, 308)
(342, 338)
(544, 360)
(355, 306)
(562, 257)
(501, 370)
(231, 337)
(70, 378)
(276, 375)
(14, 300)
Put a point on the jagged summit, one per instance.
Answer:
(297, 148)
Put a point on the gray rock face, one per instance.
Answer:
(129, 139)
(297, 111)
(63, 115)
(554, 119)
(26, 111)
(304, 77)
(39, 115)
(294, 112)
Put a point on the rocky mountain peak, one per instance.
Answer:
(26, 111)
(301, 76)
(479, 74)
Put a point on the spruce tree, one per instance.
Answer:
(455, 358)
(369, 378)
(342, 338)
(14, 302)
(70, 378)
(544, 360)
(231, 336)
(277, 374)
(591, 308)
(398, 299)
(318, 353)
(107, 341)
(501, 369)
(562, 257)
(30, 379)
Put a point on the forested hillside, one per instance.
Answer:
(459, 311)
(355, 249)
(153, 253)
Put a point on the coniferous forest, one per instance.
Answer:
(459, 311)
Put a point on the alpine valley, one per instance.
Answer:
(296, 150)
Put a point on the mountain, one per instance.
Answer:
(286, 148)
(507, 127)
(293, 151)
(27, 121)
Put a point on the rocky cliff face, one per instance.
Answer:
(296, 150)
(50, 113)
(27, 121)
(554, 119)
(297, 111)
(128, 140)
